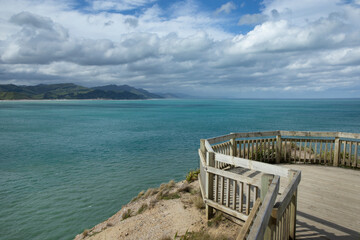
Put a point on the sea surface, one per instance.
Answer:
(67, 165)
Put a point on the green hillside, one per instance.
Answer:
(72, 91)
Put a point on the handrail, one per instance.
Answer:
(262, 218)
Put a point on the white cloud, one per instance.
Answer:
(293, 49)
(119, 5)
(252, 19)
(226, 8)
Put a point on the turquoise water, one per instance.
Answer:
(68, 165)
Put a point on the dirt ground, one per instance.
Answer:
(164, 213)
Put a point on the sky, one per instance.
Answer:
(203, 48)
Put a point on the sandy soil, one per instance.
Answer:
(163, 219)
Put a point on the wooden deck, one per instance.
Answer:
(328, 202)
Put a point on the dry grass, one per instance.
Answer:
(199, 202)
(126, 214)
(138, 196)
(85, 232)
(143, 207)
(215, 221)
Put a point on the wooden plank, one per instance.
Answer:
(245, 229)
(208, 146)
(257, 134)
(278, 148)
(233, 176)
(286, 196)
(315, 154)
(222, 190)
(252, 149)
(285, 150)
(223, 138)
(216, 188)
(308, 134)
(337, 151)
(241, 197)
(228, 192)
(305, 151)
(234, 194)
(350, 152)
(326, 153)
(226, 210)
(348, 135)
(253, 165)
(247, 210)
(344, 153)
(356, 155)
(210, 161)
(256, 149)
(262, 218)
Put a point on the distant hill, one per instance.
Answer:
(72, 91)
(127, 88)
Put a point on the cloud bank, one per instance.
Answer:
(307, 49)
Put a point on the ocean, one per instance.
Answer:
(67, 165)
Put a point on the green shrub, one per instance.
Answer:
(192, 175)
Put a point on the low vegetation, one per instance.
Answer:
(126, 214)
(192, 175)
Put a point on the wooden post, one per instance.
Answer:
(278, 148)
(202, 146)
(210, 161)
(266, 180)
(293, 208)
(336, 151)
(233, 147)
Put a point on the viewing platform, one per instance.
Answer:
(284, 184)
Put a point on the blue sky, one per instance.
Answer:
(236, 49)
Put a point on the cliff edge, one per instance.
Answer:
(172, 211)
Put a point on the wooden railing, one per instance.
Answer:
(238, 196)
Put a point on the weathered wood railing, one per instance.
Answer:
(237, 195)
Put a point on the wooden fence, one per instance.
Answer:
(272, 216)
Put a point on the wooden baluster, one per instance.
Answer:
(228, 193)
(248, 200)
(285, 150)
(344, 153)
(356, 155)
(326, 152)
(241, 197)
(234, 194)
(350, 153)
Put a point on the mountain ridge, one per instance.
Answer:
(72, 91)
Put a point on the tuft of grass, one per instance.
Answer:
(192, 175)
(151, 192)
(138, 196)
(166, 195)
(126, 214)
(185, 188)
(199, 202)
(152, 203)
(143, 207)
(215, 221)
(85, 232)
